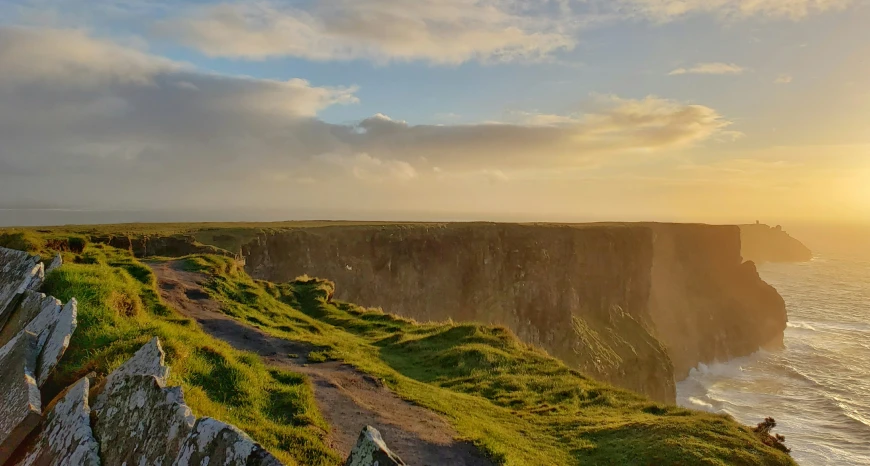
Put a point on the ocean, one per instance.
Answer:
(818, 387)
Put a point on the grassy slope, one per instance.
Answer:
(518, 404)
(120, 310)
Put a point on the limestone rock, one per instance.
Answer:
(57, 340)
(19, 271)
(36, 313)
(141, 422)
(66, 438)
(370, 450)
(214, 443)
(148, 360)
(20, 405)
(55, 263)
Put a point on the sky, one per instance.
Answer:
(563, 110)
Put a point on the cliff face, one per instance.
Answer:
(617, 302)
(762, 243)
(706, 303)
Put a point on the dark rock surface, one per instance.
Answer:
(214, 443)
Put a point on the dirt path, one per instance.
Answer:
(348, 398)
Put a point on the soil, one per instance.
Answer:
(348, 398)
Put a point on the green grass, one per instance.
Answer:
(516, 403)
(120, 310)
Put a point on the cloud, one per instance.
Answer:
(106, 125)
(783, 79)
(666, 10)
(439, 32)
(709, 68)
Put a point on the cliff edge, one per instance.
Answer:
(636, 305)
(763, 243)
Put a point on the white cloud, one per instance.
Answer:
(709, 68)
(441, 32)
(665, 10)
(139, 128)
(783, 79)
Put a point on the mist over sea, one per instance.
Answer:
(818, 387)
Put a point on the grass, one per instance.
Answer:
(516, 403)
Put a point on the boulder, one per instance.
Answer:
(66, 437)
(36, 313)
(148, 360)
(370, 450)
(57, 340)
(20, 404)
(141, 422)
(19, 271)
(55, 263)
(214, 443)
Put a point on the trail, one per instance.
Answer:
(349, 399)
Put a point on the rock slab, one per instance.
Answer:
(370, 450)
(57, 340)
(36, 313)
(66, 438)
(20, 404)
(214, 443)
(19, 271)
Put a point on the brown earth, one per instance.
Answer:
(349, 399)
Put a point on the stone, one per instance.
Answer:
(66, 438)
(148, 360)
(55, 263)
(370, 450)
(37, 312)
(19, 271)
(214, 443)
(141, 422)
(57, 341)
(20, 404)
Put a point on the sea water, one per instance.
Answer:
(818, 387)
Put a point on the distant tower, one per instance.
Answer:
(757, 222)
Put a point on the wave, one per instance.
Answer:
(800, 325)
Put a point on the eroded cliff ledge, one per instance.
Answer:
(636, 305)
(763, 243)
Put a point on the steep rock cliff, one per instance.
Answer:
(762, 243)
(616, 301)
(706, 304)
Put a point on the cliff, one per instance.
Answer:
(762, 243)
(635, 305)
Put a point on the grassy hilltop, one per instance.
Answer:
(517, 404)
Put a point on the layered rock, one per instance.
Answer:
(762, 243)
(616, 301)
(19, 272)
(371, 450)
(20, 404)
(66, 437)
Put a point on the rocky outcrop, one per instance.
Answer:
(20, 404)
(213, 443)
(34, 333)
(66, 437)
(762, 243)
(19, 272)
(629, 304)
(370, 450)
